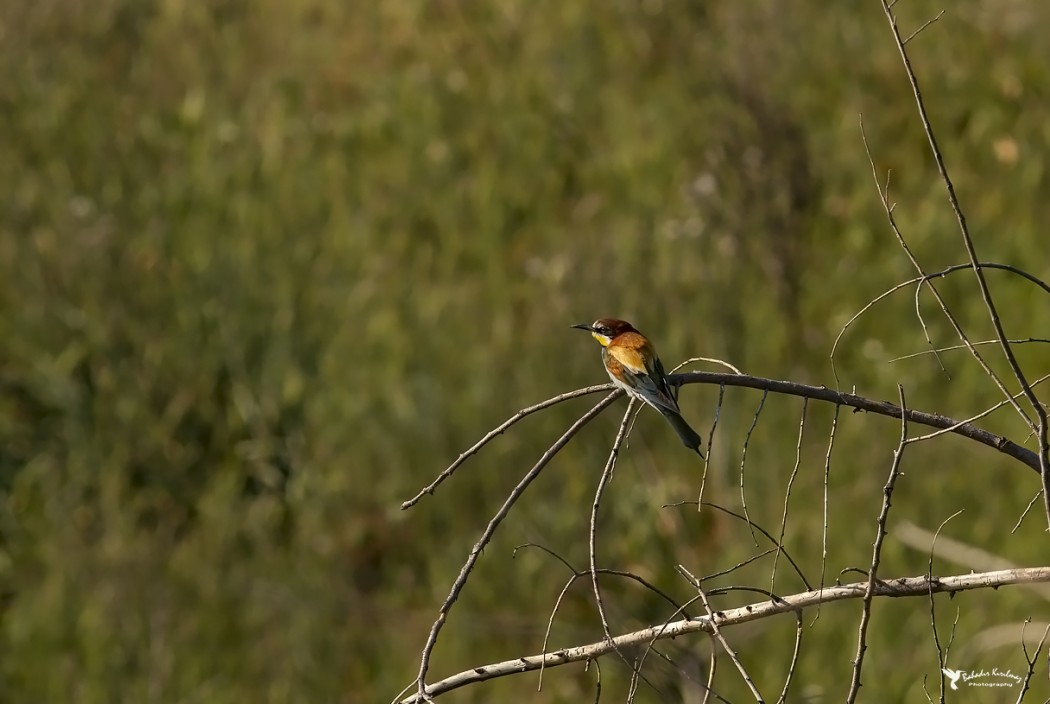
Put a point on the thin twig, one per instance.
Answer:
(924, 26)
(1030, 660)
(913, 355)
(710, 677)
(824, 519)
(576, 575)
(787, 492)
(876, 554)
(971, 419)
(918, 280)
(794, 659)
(929, 277)
(757, 527)
(498, 430)
(743, 460)
(592, 543)
(710, 444)
(717, 633)
(1038, 495)
(693, 360)
(941, 662)
(742, 563)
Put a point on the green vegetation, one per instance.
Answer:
(267, 267)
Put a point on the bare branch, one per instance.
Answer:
(490, 529)
(592, 544)
(982, 414)
(941, 661)
(756, 526)
(824, 520)
(982, 284)
(499, 430)
(1020, 519)
(876, 553)
(920, 586)
(913, 355)
(794, 659)
(919, 280)
(989, 372)
(743, 460)
(717, 632)
(884, 408)
(710, 444)
(787, 492)
(924, 26)
(1031, 660)
(957, 552)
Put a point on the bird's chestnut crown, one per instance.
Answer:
(605, 329)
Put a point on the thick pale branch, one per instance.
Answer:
(921, 586)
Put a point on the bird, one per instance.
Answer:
(953, 675)
(633, 365)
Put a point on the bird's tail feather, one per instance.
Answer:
(690, 438)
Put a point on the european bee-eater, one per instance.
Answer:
(633, 365)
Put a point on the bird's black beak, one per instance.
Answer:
(584, 326)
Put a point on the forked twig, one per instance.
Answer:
(1030, 660)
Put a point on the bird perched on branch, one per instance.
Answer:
(633, 365)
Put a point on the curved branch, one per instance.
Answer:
(921, 586)
(884, 408)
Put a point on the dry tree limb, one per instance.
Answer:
(860, 403)
(920, 586)
(819, 393)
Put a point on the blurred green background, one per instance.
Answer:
(267, 267)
